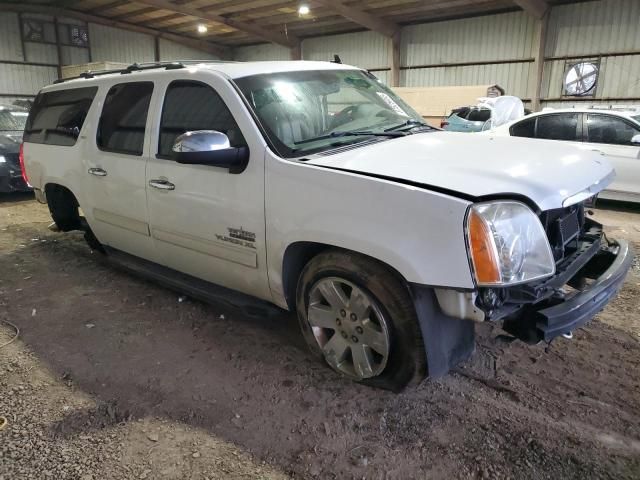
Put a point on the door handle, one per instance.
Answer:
(162, 184)
(98, 172)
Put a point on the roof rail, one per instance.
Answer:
(136, 67)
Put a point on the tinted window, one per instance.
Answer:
(609, 129)
(190, 106)
(461, 112)
(13, 120)
(124, 118)
(479, 115)
(56, 118)
(526, 128)
(558, 127)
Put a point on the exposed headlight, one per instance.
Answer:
(507, 244)
(2, 159)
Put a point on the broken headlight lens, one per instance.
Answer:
(507, 244)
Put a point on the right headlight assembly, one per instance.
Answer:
(507, 244)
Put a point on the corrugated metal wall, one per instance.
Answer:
(10, 45)
(174, 51)
(264, 51)
(602, 32)
(498, 49)
(113, 44)
(461, 52)
(365, 49)
(480, 50)
(507, 36)
(25, 70)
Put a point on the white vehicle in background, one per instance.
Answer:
(312, 186)
(615, 132)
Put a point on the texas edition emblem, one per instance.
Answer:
(238, 236)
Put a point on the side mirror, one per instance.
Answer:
(635, 139)
(209, 147)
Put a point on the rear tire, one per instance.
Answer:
(357, 316)
(63, 207)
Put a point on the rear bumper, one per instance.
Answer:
(603, 276)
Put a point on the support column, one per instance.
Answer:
(542, 27)
(156, 48)
(296, 51)
(395, 59)
(56, 27)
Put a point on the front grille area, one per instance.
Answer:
(564, 227)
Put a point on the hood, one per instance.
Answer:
(10, 142)
(476, 166)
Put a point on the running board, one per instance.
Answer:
(191, 286)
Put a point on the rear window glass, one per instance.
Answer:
(558, 127)
(479, 115)
(124, 118)
(12, 120)
(461, 112)
(56, 118)
(525, 128)
(609, 129)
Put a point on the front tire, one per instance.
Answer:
(357, 315)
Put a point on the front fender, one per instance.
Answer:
(417, 232)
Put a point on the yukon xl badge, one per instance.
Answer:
(238, 236)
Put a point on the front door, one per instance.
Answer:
(115, 171)
(206, 221)
(613, 136)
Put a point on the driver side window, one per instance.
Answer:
(190, 106)
(609, 129)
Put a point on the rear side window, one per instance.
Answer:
(124, 118)
(609, 129)
(479, 115)
(526, 128)
(56, 118)
(190, 106)
(558, 127)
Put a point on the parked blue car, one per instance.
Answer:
(467, 119)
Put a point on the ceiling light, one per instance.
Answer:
(303, 9)
(202, 28)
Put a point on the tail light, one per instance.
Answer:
(22, 169)
(443, 123)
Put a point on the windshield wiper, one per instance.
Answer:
(409, 123)
(339, 134)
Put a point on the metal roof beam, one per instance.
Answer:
(108, 6)
(356, 15)
(537, 8)
(253, 29)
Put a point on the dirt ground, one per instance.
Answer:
(113, 377)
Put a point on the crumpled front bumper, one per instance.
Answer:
(594, 286)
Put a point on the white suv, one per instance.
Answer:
(616, 133)
(314, 187)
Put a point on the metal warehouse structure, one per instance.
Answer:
(526, 46)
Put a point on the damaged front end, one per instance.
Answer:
(589, 271)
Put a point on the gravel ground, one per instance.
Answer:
(113, 378)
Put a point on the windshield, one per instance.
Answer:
(306, 112)
(13, 120)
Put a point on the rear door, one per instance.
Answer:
(115, 173)
(560, 126)
(612, 135)
(206, 221)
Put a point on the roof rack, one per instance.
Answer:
(136, 67)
